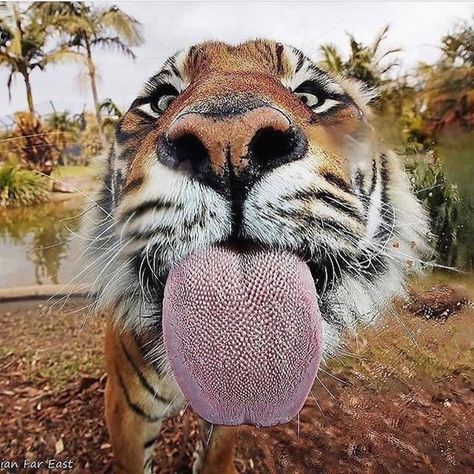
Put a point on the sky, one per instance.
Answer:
(416, 27)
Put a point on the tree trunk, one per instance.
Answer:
(23, 68)
(29, 94)
(92, 77)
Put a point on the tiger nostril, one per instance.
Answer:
(274, 147)
(189, 149)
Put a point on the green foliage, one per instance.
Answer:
(90, 140)
(24, 45)
(458, 46)
(34, 146)
(441, 199)
(66, 128)
(366, 63)
(20, 187)
(456, 150)
(111, 119)
(431, 111)
(85, 27)
(447, 87)
(332, 59)
(440, 96)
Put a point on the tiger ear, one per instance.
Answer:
(363, 95)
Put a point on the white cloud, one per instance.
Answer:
(169, 26)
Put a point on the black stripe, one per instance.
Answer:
(359, 181)
(150, 442)
(194, 54)
(139, 131)
(279, 53)
(134, 407)
(147, 118)
(153, 282)
(139, 101)
(342, 206)
(104, 200)
(337, 227)
(372, 266)
(133, 184)
(175, 69)
(149, 205)
(164, 73)
(167, 231)
(387, 212)
(337, 181)
(331, 200)
(326, 273)
(128, 152)
(311, 219)
(300, 62)
(374, 177)
(144, 382)
(148, 463)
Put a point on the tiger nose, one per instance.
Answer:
(257, 140)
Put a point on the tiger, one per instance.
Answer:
(236, 163)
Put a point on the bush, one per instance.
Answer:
(90, 142)
(20, 187)
(441, 199)
(35, 145)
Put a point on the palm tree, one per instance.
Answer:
(332, 59)
(86, 27)
(113, 115)
(366, 62)
(23, 39)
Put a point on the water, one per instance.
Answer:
(39, 244)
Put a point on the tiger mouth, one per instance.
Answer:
(243, 333)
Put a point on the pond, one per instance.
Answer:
(40, 245)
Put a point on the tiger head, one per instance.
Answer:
(246, 178)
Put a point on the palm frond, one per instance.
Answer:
(111, 108)
(378, 40)
(126, 27)
(114, 43)
(332, 60)
(389, 52)
(61, 55)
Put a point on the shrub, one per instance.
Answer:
(90, 142)
(441, 199)
(20, 187)
(35, 145)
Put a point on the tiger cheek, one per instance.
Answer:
(348, 122)
(322, 138)
(143, 158)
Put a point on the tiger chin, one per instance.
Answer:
(248, 217)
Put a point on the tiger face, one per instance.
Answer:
(234, 151)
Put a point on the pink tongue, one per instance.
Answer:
(242, 331)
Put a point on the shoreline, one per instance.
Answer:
(37, 292)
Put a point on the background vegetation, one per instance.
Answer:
(426, 114)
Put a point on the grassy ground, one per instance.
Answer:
(397, 400)
(76, 179)
(73, 171)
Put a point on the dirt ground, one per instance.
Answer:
(399, 399)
